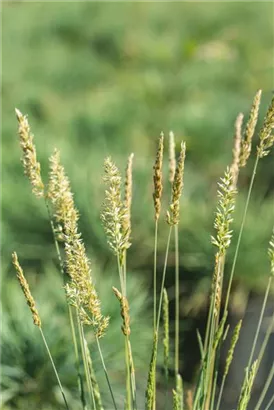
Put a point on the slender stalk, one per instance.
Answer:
(260, 321)
(155, 276)
(106, 373)
(54, 368)
(177, 300)
(221, 392)
(266, 386)
(266, 339)
(85, 361)
(269, 404)
(163, 281)
(241, 232)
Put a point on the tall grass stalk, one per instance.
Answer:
(54, 368)
(268, 381)
(269, 404)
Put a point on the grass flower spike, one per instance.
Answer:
(25, 288)
(173, 216)
(128, 195)
(271, 253)
(124, 311)
(172, 159)
(30, 163)
(246, 142)
(158, 177)
(114, 214)
(237, 149)
(80, 289)
(265, 136)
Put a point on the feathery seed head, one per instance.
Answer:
(246, 142)
(176, 400)
(234, 341)
(237, 149)
(124, 311)
(271, 253)
(158, 177)
(225, 208)
(114, 214)
(173, 215)
(29, 160)
(265, 136)
(128, 194)
(25, 288)
(172, 159)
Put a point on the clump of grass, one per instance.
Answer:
(82, 297)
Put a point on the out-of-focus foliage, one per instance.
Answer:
(101, 79)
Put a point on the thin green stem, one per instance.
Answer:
(260, 321)
(266, 339)
(241, 232)
(269, 404)
(163, 281)
(221, 392)
(266, 386)
(177, 300)
(155, 276)
(54, 368)
(106, 373)
(85, 361)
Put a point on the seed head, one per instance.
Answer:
(173, 215)
(266, 139)
(128, 195)
(236, 149)
(124, 311)
(29, 160)
(158, 177)
(246, 143)
(172, 159)
(234, 341)
(25, 288)
(271, 253)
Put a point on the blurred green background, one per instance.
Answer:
(100, 79)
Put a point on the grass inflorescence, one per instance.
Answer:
(85, 307)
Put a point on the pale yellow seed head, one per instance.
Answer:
(25, 288)
(265, 136)
(29, 160)
(236, 149)
(124, 311)
(246, 143)
(172, 158)
(128, 195)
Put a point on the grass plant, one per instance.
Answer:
(85, 306)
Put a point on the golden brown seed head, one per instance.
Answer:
(30, 163)
(124, 311)
(172, 159)
(246, 143)
(266, 137)
(158, 177)
(173, 215)
(25, 288)
(236, 149)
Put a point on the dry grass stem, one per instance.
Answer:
(124, 311)
(173, 215)
(246, 144)
(172, 158)
(30, 163)
(158, 177)
(25, 288)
